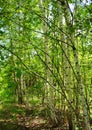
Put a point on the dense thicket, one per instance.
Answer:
(46, 57)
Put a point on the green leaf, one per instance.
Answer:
(18, 73)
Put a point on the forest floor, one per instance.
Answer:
(19, 117)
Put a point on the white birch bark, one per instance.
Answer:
(49, 93)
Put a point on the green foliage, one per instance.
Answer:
(36, 47)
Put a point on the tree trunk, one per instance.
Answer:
(49, 93)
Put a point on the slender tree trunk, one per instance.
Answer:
(81, 91)
(68, 63)
(49, 93)
(21, 87)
